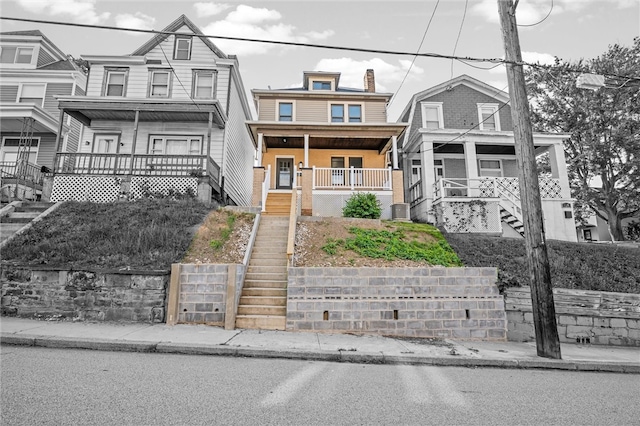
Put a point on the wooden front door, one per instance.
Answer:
(284, 175)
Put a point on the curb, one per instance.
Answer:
(331, 356)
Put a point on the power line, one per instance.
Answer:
(317, 46)
(464, 16)
(540, 21)
(413, 61)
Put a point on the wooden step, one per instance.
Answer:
(261, 322)
(262, 310)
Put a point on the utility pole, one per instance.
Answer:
(544, 313)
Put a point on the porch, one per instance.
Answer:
(20, 180)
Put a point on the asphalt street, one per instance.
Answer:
(79, 387)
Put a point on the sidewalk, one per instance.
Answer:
(205, 340)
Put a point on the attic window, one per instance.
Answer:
(488, 117)
(16, 55)
(321, 85)
(182, 49)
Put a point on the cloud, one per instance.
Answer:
(352, 72)
(83, 11)
(138, 20)
(261, 24)
(210, 9)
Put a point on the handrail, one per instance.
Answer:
(266, 183)
(415, 192)
(351, 178)
(293, 216)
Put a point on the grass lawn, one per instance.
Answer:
(585, 266)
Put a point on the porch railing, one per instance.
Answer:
(21, 170)
(415, 193)
(138, 165)
(488, 187)
(351, 178)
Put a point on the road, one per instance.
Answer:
(75, 387)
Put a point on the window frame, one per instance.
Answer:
(14, 149)
(336, 119)
(165, 137)
(278, 111)
(108, 72)
(21, 89)
(361, 111)
(154, 71)
(493, 109)
(16, 54)
(176, 46)
(346, 109)
(195, 78)
(482, 169)
(322, 83)
(424, 106)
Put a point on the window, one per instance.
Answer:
(32, 93)
(10, 147)
(285, 111)
(175, 145)
(16, 55)
(337, 113)
(490, 168)
(416, 171)
(432, 115)
(355, 114)
(182, 49)
(337, 172)
(159, 84)
(115, 82)
(488, 117)
(321, 85)
(438, 169)
(204, 84)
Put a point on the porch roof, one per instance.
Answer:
(326, 135)
(85, 109)
(13, 115)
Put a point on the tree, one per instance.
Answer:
(603, 151)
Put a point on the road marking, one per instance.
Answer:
(416, 388)
(445, 388)
(285, 391)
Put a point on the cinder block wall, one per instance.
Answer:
(461, 303)
(203, 292)
(84, 295)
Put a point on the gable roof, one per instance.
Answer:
(173, 27)
(463, 79)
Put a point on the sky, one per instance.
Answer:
(568, 29)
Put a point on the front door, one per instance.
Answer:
(284, 177)
(104, 144)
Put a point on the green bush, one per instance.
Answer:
(362, 205)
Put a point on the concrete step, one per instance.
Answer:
(11, 227)
(277, 276)
(268, 262)
(34, 206)
(264, 291)
(19, 217)
(263, 300)
(269, 254)
(265, 269)
(261, 322)
(264, 284)
(262, 310)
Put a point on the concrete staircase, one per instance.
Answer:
(21, 216)
(278, 204)
(512, 221)
(263, 302)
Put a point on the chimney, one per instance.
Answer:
(369, 81)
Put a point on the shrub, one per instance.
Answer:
(362, 205)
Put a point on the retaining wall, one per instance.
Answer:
(589, 317)
(461, 303)
(84, 295)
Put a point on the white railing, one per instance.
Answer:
(415, 193)
(489, 187)
(266, 183)
(351, 178)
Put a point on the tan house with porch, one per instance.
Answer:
(459, 158)
(326, 142)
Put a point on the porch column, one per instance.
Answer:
(209, 127)
(60, 136)
(258, 161)
(471, 163)
(258, 179)
(306, 150)
(135, 138)
(306, 208)
(559, 168)
(428, 174)
(394, 152)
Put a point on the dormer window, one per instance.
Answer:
(321, 85)
(182, 49)
(16, 55)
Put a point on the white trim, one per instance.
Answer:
(35, 53)
(276, 174)
(332, 84)
(489, 107)
(429, 105)
(21, 87)
(4, 150)
(345, 111)
(164, 136)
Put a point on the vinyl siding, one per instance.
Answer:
(73, 138)
(375, 112)
(317, 110)
(79, 91)
(44, 58)
(240, 152)
(267, 110)
(55, 89)
(310, 110)
(8, 94)
(47, 149)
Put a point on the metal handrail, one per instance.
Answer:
(292, 227)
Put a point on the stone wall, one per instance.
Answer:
(203, 292)
(84, 295)
(461, 303)
(587, 317)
